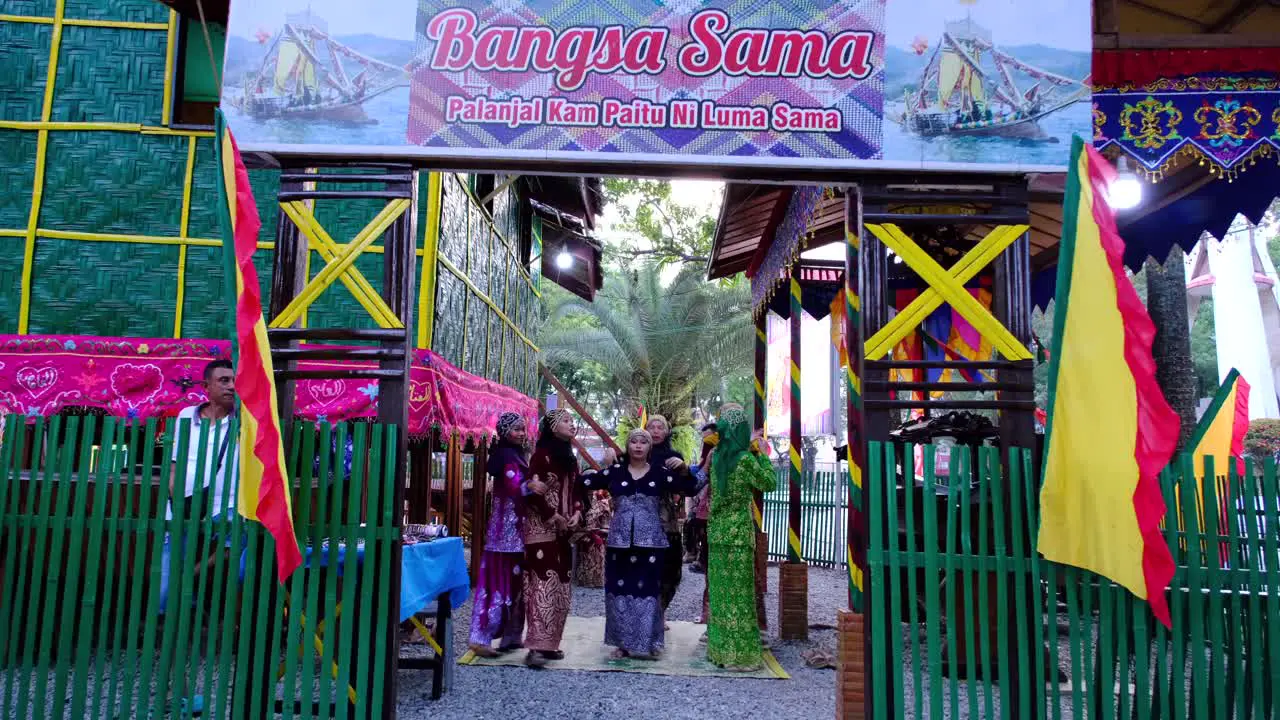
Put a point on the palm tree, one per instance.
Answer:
(656, 344)
(1175, 371)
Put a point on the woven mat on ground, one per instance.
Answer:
(684, 655)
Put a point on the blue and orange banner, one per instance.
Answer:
(1110, 431)
(264, 489)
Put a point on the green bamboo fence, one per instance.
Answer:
(824, 507)
(83, 537)
(973, 623)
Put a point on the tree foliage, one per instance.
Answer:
(672, 231)
(643, 341)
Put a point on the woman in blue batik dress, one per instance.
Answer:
(636, 548)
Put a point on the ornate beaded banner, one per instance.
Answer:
(788, 243)
(1227, 122)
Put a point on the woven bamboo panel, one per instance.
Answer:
(23, 69)
(494, 340)
(336, 308)
(115, 289)
(10, 279)
(112, 182)
(110, 75)
(204, 307)
(502, 211)
(344, 218)
(203, 219)
(510, 366)
(17, 169)
(265, 184)
(453, 223)
(29, 8)
(511, 290)
(448, 321)
(474, 228)
(129, 10)
(476, 331)
(478, 269)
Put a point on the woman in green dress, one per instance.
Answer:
(738, 466)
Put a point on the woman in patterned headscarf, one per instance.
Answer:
(738, 466)
(497, 610)
(551, 515)
(633, 567)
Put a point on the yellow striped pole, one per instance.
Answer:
(757, 497)
(857, 550)
(794, 553)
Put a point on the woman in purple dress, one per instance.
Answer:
(497, 610)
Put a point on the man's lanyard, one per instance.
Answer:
(226, 437)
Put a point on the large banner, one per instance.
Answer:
(905, 84)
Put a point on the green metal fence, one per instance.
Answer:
(968, 621)
(824, 507)
(113, 607)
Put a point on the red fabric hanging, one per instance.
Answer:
(1115, 68)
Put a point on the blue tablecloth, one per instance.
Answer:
(427, 570)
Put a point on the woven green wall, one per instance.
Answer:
(109, 231)
(127, 10)
(25, 63)
(468, 332)
(110, 75)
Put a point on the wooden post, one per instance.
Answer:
(760, 412)
(1012, 305)
(573, 403)
(399, 261)
(794, 551)
(793, 577)
(289, 279)
(853, 661)
(453, 485)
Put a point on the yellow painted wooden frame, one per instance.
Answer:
(320, 241)
(341, 263)
(946, 286)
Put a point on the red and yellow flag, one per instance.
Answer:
(1110, 431)
(1220, 434)
(264, 491)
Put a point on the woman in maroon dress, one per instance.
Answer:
(551, 513)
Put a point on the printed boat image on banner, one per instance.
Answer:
(318, 72)
(890, 84)
(986, 80)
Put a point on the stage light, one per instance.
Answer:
(1126, 190)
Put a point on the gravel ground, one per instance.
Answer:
(500, 692)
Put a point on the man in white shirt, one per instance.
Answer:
(214, 492)
(221, 458)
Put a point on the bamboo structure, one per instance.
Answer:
(150, 222)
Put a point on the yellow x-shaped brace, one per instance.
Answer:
(946, 286)
(340, 263)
